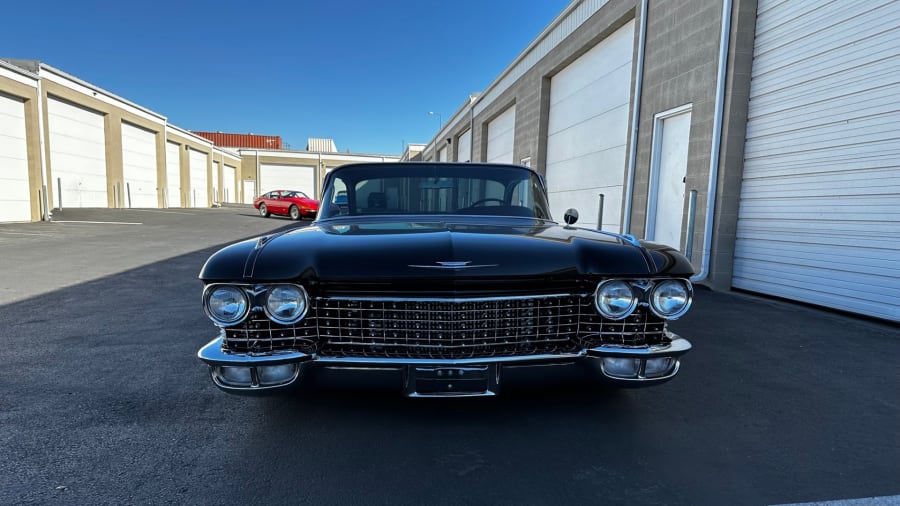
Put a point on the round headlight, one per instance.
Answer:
(225, 305)
(615, 299)
(286, 304)
(671, 298)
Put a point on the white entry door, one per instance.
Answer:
(249, 189)
(228, 176)
(668, 169)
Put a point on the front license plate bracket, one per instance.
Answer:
(452, 381)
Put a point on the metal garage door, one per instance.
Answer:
(199, 194)
(501, 134)
(228, 178)
(287, 177)
(587, 131)
(173, 175)
(464, 147)
(139, 166)
(77, 155)
(819, 217)
(15, 193)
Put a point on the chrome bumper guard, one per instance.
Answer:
(621, 365)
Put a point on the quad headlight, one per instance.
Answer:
(671, 298)
(225, 305)
(286, 304)
(615, 299)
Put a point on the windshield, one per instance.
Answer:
(441, 188)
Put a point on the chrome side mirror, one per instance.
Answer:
(570, 217)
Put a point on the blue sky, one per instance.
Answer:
(363, 73)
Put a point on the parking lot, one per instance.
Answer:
(102, 400)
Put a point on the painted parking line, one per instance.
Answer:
(24, 233)
(102, 222)
(892, 500)
(160, 211)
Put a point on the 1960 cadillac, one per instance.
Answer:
(448, 274)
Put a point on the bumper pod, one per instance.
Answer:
(621, 366)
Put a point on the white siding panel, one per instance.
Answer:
(228, 183)
(139, 166)
(464, 147)
(819, 219)
(15, 193)
(287, 177)
(588, 130)
(199, 193)
(77, 154)
(501, 137)
(173, 175)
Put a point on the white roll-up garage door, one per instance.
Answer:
(139, 166)
(501, 136)
(464, 147)
(228, 178)
(173, 175)
(587, 131)
(15, 192)
(199, 194)
(819, 217)
(287, 177)
(77, 155)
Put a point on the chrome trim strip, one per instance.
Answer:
(451, 267)
(213, 354)
(448, 299)
(678, 346)
(356, 361)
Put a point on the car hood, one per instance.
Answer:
(337, 251)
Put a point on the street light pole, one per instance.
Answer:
(440, 119)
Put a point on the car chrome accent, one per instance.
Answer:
(452, 265)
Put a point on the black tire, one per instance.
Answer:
(263, 211)
(295, 213)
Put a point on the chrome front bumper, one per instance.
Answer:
(619, 365)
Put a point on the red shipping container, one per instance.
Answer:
(252, 141)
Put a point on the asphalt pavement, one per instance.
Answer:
(102, 399)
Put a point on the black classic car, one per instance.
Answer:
(447, 274)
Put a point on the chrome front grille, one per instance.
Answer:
(446, 328)
(258, 334)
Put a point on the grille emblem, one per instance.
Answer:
(452, 265)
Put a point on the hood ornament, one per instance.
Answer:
(453, 265)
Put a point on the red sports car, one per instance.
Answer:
(286, 203)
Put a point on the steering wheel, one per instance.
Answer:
(484, 201)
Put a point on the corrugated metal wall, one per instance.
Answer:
(252, 141)
(820, 202)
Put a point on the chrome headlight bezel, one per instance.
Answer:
(302, 296)
(608, 285)
(210, 290)
(652, 298)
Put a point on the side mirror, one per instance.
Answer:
(571, 216)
